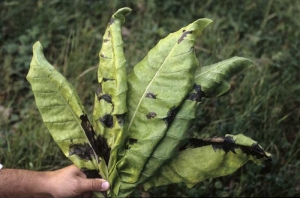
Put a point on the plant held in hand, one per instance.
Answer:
(138, 134)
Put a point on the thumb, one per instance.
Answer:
(94, 185)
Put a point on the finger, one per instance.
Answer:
(94, 185)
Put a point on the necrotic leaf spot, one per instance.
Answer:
(228, 144)
(91, 173)
(151, 115)
(88, 129)
(107, 121)
(196, 96)
(183, 35)
(170, 116)
(102, 148)
(102, 55)
(151, 95)
(83, 151)
(108, 79)
(132, 141)
(105, 97)
(121, 118)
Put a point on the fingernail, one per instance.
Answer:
(105, 185)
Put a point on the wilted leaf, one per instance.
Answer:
(210, 158)
(214, 79)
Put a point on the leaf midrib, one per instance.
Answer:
(142, 97)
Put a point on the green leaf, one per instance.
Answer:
(209, 158)
(110, 100)
(156, 88)
(177, 133)
(214, 79)
(64, 116)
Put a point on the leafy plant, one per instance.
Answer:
(138, 135)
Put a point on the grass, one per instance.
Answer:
(263, 103)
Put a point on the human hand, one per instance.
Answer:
(72, 182)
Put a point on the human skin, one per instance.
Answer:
(65, 182)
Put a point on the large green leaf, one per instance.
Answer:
(210, 158)
(177, 133)
(64, 116)
(156, 88)
(110, 100)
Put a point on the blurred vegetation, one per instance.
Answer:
(263, 103)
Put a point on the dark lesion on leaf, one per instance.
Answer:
(170, 116)
(151, 95)
(99, 143)
(105, 97)
(108, 79)
(121, 118)
(83, 151)
(197, 95)
(131, 141)
(151, 115)
(227, 144)
(184, 35)
(91, 173)
(88, 129)
(103, 56)
(255, 150)
(103, 150)
(107, 121)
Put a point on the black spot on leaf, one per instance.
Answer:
(151, 95)
(121, 118)
(107, 121)
(132, 141)
(197, 95)
(108, 79)
(91, 173)
(170, 116)
(255, 150)
(83, 151)
(105, 97)
(102, 55)
(88, 129)
(151, 115)
(103, 149)
(227, 144)
(183, 35)
(99, 143)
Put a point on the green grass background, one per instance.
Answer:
(263, 103)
